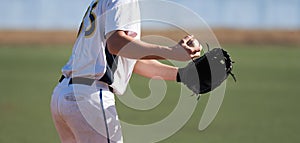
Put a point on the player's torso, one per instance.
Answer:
(88, 57)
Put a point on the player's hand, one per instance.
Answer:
(184, 51)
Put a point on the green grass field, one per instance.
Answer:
(262, 107)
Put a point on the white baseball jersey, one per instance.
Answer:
(90, 58)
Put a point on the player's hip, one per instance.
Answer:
(66, 94)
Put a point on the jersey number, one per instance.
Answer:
(89, 31)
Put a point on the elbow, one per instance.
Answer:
(116, 41)
(113, 49)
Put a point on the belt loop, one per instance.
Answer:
(111, 89)
(61, 78)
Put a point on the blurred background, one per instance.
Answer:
(253, 14)
(263, 36)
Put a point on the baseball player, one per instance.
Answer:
(107, 51)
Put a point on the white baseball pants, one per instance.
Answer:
(85, 114)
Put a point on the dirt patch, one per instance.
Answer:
(258, 36)
(225, 36)
(37, 37)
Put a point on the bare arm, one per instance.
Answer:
(155, 69)
(119, 43)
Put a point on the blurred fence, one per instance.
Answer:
(67, 14)
(253, 14)
(233, 21)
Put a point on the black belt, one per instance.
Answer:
(82, 80)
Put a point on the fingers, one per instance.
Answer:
(194, 50)
(191, 45)
(187, 51)
(187, 38)
(196, 55)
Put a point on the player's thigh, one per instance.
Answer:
(65, 133)
(88, 123)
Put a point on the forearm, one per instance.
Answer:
(119, 43)
(155, 69)
(137, 49)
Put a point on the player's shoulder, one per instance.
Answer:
(113, 3)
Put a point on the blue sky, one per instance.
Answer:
(67, 14)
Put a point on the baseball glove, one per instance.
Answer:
(206, 73)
